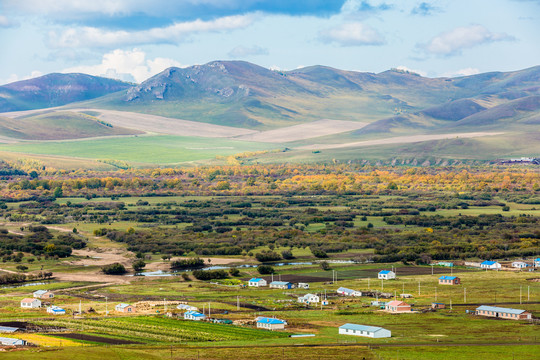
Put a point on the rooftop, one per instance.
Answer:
(500, 309)
(488, 262)
(361, 327)
(265, 320)
(447, 277)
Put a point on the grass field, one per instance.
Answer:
(159, 150)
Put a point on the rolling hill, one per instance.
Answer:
(301, 111)
(55, 90)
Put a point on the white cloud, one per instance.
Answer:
(352, 34)
(14, 77)
(242, 51)
(178, 32)
(419, 72)
(130, 65)
(452, 42)
(462, 72)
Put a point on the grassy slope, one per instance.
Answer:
(158, 150)
(58, 126)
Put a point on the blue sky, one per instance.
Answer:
(135, 39)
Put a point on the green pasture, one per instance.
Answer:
(158, 150)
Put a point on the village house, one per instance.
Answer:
(449, 280)
(281, 285)
(308, 299)
(437, 306)
(306, 285)
(503, 313)
(55, 310)
(397, 306)
(187, 307)
(445, 264)
(536, 262)
(30, 303)
(490, 265)
(271, 323)
(387, 275)
(125, 308)
(520, 265)
(12, 342)
(364, 330)
(348, 292)
(43, 294)
(257, 282)
(194, 315)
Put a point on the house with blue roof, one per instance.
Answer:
(194, 315)
(270, 323)
(387, 275)
(536, 262)
(490, 265)
(364, 330)
(56, 310)
(257, 282)
(449, 280)
(503, 313)
(281, 285)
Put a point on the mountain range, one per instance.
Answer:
(317, 104)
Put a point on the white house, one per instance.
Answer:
(270, 323)
(536, 262)
(11, 342)
(308, 299)
(281, 285)
(29, 303)
(520, 264)
(55, 310)
(306, 285)
(43, 294)
(257, 282)
(364, 330)
(187, 307)
(348, 292)
(490, 265)
(194, 315)
(387, 275)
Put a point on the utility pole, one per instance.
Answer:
(208, 309)
(382, 285)
(164, 306)
(419, 288)
(431, 269)
(237, 303)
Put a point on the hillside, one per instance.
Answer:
(55, 90)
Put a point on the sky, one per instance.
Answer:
(133, 40)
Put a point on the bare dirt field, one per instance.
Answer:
(165, 125)
(304, 131)
(398, 140)
(106, 257)
(165, 265)
(93, 277)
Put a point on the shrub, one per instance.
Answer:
(267, 256)
(192, 263)
(325, 265)
(234, 272)
(210, 274)
(319, 253)
(265, 269)
(138, 265)
(287, 254)
(114, 269)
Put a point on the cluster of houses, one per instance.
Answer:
(6, 341)
(260, 282)
(35, 302)
(518, 264)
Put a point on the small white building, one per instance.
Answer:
(187, 307)
(536, 262)
(12, 342)
(309, 299)
(281, 285)
(55, 310)
(194, 315)
(271, 323)
(257, 282)
(30, 303)
(364, 330)
(387, 275)
(490, 265)
(348, 292)
(306, 285)
(43, 294)
(520, 265)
